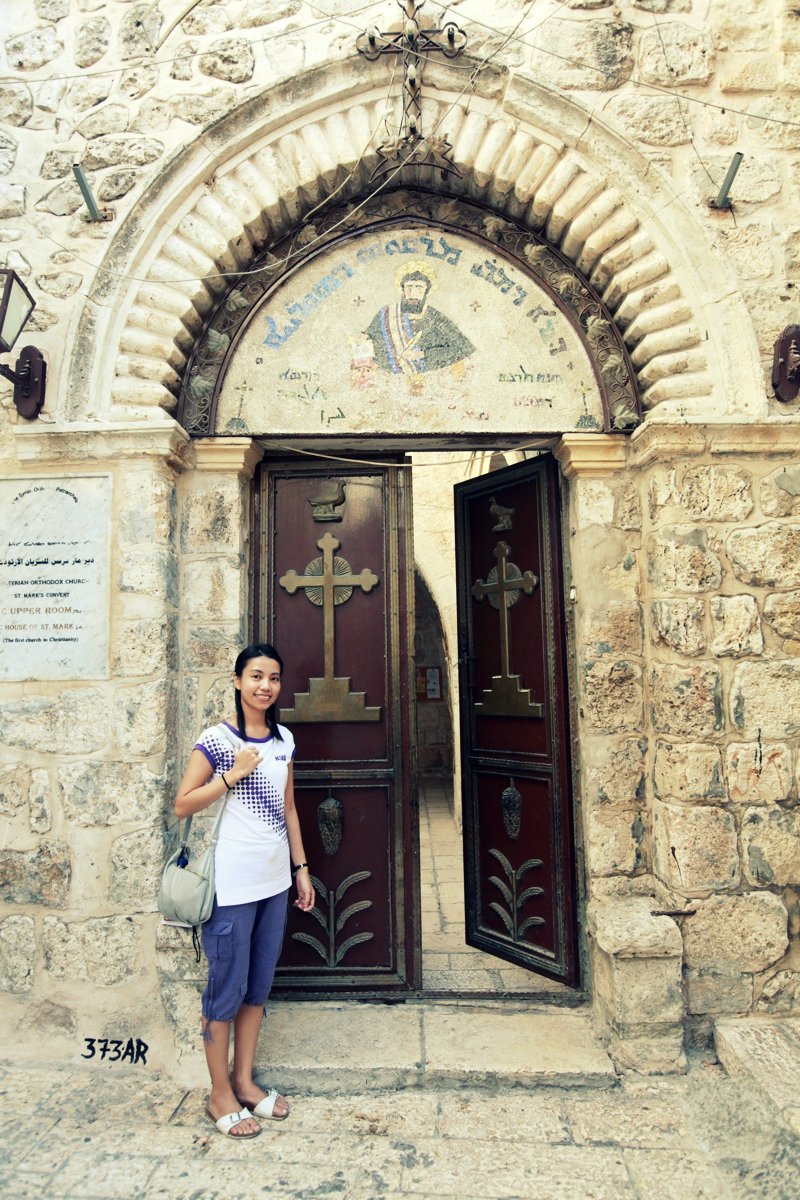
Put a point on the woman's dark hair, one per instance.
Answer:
(258, 650)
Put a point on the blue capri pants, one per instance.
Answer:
(242, 943)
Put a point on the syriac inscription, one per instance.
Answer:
(54, 567)
(409, 328)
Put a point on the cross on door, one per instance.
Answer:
(327, 582)
(506, 697)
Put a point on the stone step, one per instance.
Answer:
(766, 1051)
(332, 1046)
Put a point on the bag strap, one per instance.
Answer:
(236, 744)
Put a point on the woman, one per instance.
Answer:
(249, 759)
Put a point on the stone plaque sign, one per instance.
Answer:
(54, 576)
(409, 329)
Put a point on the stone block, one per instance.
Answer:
(717, 493)
(777, 121)
(765, 698)
(137, 860)
(40, 876)
(626, 928)
(92, 41)
(86, 93)
(152, 573)
(638, 997)
(679, 625)
(121, 150)
(148, 507)
(614, 840)
(780, 492)
(111, 118)
(653, 120)
(627, 508)
(145, 717)
(594, 503)
(718, 992)
(615, 772)
(145, 647)
(680, 558)
(745, 932)
(749, 249)
(686, 701)
(741, 24)
(213, 590)
(230, 59)
(14, 788)
(116, 184)
(102, 950)
(767, 555)
(771, 847)
(757, 182)
(213, 516)
(109, 793)
(613, 701)
(8, 153)
(674, 54)
(17, 953)
(781, 993)
(694, 848)
(782, 613)
(29, 51)
(16, 103)
(593, 56)
(75, 723)
(688, 773)
(202, 108)
(211, 648)
(750, 73)
(39, 801)
(736, 626)
(138, 82)
(758, 773)
(615, 629)
(62, 201)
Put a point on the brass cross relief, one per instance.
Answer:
(504, 585)
(329, 581)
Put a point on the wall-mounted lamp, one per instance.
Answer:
(16, 305)
(786, 365)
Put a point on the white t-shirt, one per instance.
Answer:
(252, 855)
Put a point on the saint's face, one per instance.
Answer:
(413, 295)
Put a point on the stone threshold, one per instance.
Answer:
(766, 1050)
(334, 1047)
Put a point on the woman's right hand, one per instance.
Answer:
(244, 764)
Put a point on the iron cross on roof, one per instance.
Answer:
(414, 45)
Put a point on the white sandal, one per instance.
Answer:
(266, 1107)
(230, 1121)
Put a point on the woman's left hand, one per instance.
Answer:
(305, 890)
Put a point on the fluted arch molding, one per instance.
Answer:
(524, 151)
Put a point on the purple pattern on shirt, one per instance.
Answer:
(255, 792)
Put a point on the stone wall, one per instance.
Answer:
(683, 551)
(687, 640)
(86, 770)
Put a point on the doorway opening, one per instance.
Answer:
(450, 967)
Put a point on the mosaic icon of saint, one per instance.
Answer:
(412, 337)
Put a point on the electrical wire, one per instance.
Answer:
(242, 274)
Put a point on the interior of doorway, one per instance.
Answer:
(449, 966)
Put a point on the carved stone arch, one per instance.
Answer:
(548, 277)
(522, 151)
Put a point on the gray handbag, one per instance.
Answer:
(187, 887)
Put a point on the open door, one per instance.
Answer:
(519, 874)
(336, 596)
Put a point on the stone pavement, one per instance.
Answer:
(112, 1133)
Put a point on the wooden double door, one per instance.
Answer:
(335, 595)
